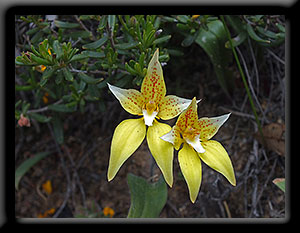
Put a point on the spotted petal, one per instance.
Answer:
(172, 106)
(189, 117)
(210, 126)
(130, 99)
(173, 137)
(217, 158)
(153, 86)
(127, 137)
(191, 169)
(161, 151)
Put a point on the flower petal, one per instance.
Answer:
(195, 143)
(131, 100)
(191, 169)
(127, 137)
(172, 106)
(161, 151)
(189, 117)
(173, 137)
(210, 126)
(153, 86)
(217, 158)
(149, 117)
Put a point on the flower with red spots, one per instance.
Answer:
(195, 135)
(151, 103)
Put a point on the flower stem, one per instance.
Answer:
(243, 78)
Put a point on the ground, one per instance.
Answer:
(77, 170)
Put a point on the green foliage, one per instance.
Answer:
(208, 31)
(26, 165)
(212, 41)
(263, 29)
(65, 66)
(147, 199)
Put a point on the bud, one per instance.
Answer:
(23, 121)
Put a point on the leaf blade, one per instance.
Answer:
(26, 165)
(147, 200)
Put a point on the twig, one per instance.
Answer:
(66, 171)
(110, 36)
(249, 82)
(44, 109)
(76, 176)
(241, 114)
(276, 57)
(268, 179)
(84, 27)
(90, 71)
(227, 209)
(254, 64)
(40, 193)
(169, 203)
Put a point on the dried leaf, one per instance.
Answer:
(274, 134)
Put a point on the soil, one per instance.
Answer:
(77, 169)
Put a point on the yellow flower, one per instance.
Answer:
(47, 187)
(47, 213)
(195, 135)
(45, 98)
(40, 68)
(195, 16)
(150, 103)
(107, 211)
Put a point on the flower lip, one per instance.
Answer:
(196, 144)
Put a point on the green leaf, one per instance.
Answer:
(254, 36)
(188, 40)
(26, 165)
(46, 75)
(129, 45)
(68, 75)
(39, 117)
(78, 57)
(280, 182)
(213, 42)
(236, 41)
(93, 54)
(57, 49)
(61, 108)
(61, 24)
(23, 88)
(147, 199)
(162, 39)
(58, 129)
(89, 79)
(39, 60)
(96, 44)
(111, 22)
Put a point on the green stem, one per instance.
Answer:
(243, 78)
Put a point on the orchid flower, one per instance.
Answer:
(151, 103)
(195, 135)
